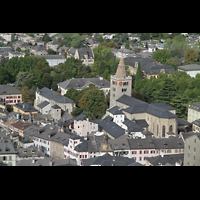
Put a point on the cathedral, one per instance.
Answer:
(161, 118)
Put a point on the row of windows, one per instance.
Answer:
(122, 83)
(5, 158)
(157, 151)
(82, 156)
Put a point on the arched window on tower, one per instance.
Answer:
(171, 128)
(163, 131)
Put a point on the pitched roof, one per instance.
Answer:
(108, 160)
(6, 147)
(8, 89)
(56, 106)
(121, 70)
(25, 107)
(138, 106)
(43, 104)
(110, 127)
(49, 94)
(171, 159)
(190, 67)
(115, 110)
(21, 125)
(80, 83)
(130, 101)
(133, 127)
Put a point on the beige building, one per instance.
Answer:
(53, 98)
(193, 112)
(191, 149)
(83, 126)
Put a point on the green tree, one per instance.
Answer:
(138, 75)
(46, 81)
(190, 55)
(22, 77)
(28, 95)
(4, 76)
(127, 45)
(77, 111)
(167, 91)
(161, 56)
(51, 52)
(46, 38)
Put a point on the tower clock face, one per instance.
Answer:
(120, 83)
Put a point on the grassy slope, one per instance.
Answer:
(75, 36)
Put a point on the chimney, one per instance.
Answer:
(59, 91)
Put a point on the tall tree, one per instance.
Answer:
(190, 55)
(167, 91)
(138, 75)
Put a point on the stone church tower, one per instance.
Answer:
(120, 83)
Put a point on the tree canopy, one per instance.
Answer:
(90, 101)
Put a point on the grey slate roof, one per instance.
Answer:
(115, 110)
(27, 107)
(163, 105)
(56, 106)
(182, 122)
(142, 123)
(156, 143)
(171, 159)
(190, 67)
(132, 126)
(45, 162)
(108, 160)
(130, 101)
(189, 134)
(43, 104)
(80, 83)
(50, 57)
(148, 65)
(110, 127)
(49, 94)
(195, 106)
(196, 122)
(31, 151)
(85, 51)
(8, 89)
(6, 147)
(80, 117)
(138, 106)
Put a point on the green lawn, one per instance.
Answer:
(76, 37)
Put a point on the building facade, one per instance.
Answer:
(9, 95)
(192, 149)
(53, 98)
(193, 112)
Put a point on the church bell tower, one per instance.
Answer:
(120, 83)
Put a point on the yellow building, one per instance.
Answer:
(24, 108)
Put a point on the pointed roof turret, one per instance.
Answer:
(121, 70)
